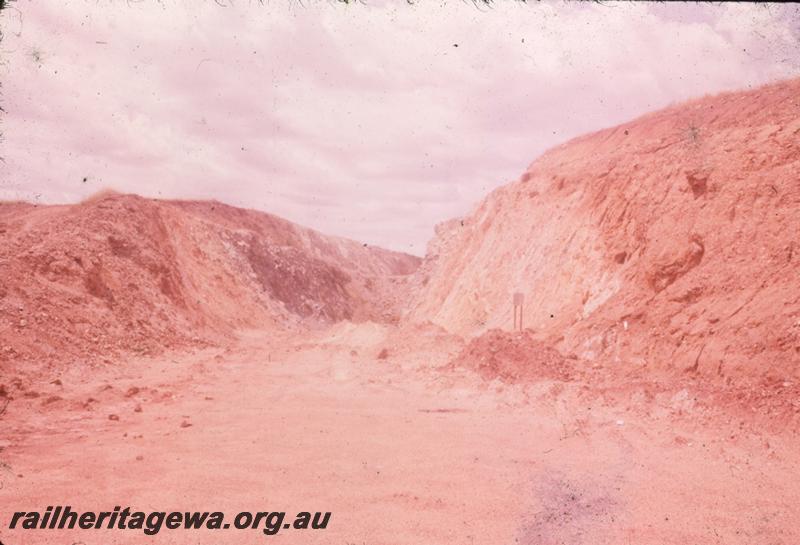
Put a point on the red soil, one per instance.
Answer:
(254, 364)
(513, 357)
(666, 243)
(120, 273)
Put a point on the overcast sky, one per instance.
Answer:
(374, 120)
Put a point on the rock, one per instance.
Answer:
(682, 401)
(113, 280)
(639, 231)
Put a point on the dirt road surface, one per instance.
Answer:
(398, 452)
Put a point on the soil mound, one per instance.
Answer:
(513, 357)
(123, 273)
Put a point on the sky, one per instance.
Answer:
(374, 120)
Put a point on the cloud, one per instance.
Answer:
(371, 121)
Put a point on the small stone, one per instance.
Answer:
(137, 409)
(113, 417)
(186, 424)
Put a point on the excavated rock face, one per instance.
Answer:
(667, 242)
(124, 273)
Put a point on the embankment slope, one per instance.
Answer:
(669, 242)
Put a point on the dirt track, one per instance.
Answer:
(398, 453)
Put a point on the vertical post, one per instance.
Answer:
(515, 317)
(518, 300)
